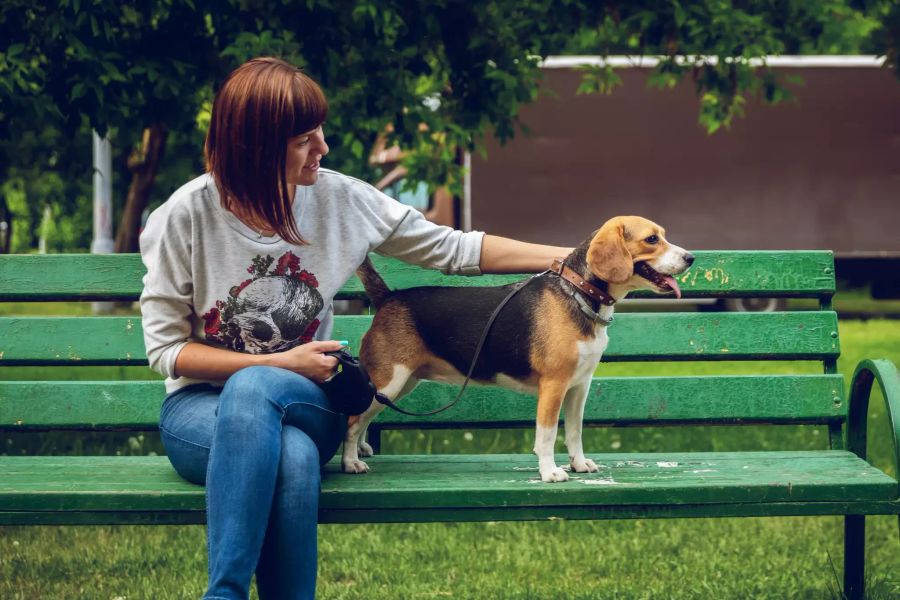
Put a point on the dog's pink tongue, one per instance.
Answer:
(670, 281)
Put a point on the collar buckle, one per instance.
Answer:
(590, 291)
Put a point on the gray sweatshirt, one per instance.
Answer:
(211, 279)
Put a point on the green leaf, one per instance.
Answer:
(357, 148)
(78, 90)
(662, 79)
(112, 71)
(599, 80)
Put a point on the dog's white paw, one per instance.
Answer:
(354, 466)
(585, 465)
(365, 449)
(554, 475)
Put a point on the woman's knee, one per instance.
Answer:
(250, 381)
(254, 392)
(272, 382)
(262, 395)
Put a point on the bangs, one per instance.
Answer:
(307, 106)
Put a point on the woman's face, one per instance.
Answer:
(303, 154)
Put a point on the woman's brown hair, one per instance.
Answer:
(261, 105)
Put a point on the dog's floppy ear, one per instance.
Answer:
(607, 255)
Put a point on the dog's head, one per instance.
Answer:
(632, 252)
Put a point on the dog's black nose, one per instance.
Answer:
(689, 258)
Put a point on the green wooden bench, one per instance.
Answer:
(145, 489)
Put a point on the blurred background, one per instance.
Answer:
(702, 116)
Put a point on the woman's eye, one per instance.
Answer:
(652, 239)
(303, 142)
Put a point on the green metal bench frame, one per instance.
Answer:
(145, 489)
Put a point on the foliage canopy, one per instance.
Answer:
(446, 73)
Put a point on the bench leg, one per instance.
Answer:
(374, 438)
(854, 556)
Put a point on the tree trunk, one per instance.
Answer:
(144, 165)
(6, 226)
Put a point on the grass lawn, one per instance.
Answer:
(689, 558)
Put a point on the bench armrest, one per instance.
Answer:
(885, 372)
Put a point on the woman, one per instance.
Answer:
(242, 265)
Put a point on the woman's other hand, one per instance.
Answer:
(308, 359)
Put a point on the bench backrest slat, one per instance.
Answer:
(55, 277)
(633, 336)
(621, 400)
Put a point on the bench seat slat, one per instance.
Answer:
(55, 277)
(490, 483)
(135, 405)
(633, 336)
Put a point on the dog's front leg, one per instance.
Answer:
(550, 397)
(575, 400)
(365, 448)
(399, 385)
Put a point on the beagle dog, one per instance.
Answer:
(546, 341)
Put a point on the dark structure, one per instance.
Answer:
(819, 173)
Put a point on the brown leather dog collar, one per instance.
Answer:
(592, 292)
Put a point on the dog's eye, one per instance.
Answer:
(652, 239)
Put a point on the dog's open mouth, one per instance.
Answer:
(660, 280)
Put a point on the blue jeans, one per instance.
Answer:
(257, 444)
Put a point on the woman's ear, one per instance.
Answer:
(607, 255)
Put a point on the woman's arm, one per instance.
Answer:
(401, 231)
(199, 361)
(504, 255)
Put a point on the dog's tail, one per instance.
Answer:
(376, 289)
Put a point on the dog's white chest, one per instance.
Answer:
(590, 352)
(596, 346)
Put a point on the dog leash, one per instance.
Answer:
(487, 328)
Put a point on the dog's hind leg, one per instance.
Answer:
(574, 403)
(393, 389)
(365, 449)
(350, 462)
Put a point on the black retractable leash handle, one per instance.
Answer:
(351, 390)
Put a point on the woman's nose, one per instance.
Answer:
(323, 147)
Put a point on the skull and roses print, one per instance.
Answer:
(272, 311)
(211, 279)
